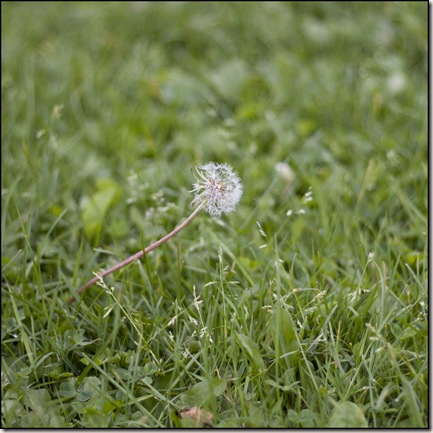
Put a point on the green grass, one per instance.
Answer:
(307, 306)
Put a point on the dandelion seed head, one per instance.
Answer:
(218, 186)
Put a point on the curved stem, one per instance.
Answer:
(139, 254)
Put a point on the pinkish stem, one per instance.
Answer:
(139, 254)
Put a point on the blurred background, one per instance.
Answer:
(139, 92)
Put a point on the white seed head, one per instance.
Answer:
(218, 186)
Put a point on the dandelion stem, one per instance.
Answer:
(139, 254)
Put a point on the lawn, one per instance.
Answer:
(307, 306)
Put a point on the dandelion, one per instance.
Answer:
(218, 190)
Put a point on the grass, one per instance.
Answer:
(306, 307)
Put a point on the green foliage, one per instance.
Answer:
(201, 393)
(307, 306)
(347, 415)
(95, 208)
